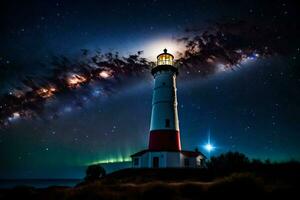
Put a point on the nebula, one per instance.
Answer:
(221, 47)
(107, 70)
(225, 45)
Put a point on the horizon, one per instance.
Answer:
(76, 83)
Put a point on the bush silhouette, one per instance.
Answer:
(94, 172)
(229, 162)
(230, 173)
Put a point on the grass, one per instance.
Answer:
(231, 175)
(237, 184)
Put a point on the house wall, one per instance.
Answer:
(192, 162)
(173, 159)
(167, 159)
(200, 161)
(144, 160)
(162, 158)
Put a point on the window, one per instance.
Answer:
(136, 161)
(186, 162)
(165, 59)
(167, 123)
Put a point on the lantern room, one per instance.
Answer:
(165, 58)
(165, 61)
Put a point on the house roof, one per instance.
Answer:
(139, 153)
(186, 153)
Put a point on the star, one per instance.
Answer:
(238, 74)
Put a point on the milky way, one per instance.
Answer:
(221, 47)
(66, 79)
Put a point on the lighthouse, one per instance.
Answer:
(164, 126)
(164, 148)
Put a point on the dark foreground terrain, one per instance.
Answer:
(163, 184)
(231, 175)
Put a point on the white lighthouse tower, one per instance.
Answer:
(164, 128)
(164, 149)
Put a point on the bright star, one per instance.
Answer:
(209, 147)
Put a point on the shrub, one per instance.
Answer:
(94, 172)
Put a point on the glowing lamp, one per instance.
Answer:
(164, 63)
(165, 58)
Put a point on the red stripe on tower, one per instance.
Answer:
(164, 140)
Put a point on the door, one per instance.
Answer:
(186, 162)
(155, 162)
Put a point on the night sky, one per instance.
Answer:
(240, 83)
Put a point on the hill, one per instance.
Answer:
(230, 174)
(162, 184)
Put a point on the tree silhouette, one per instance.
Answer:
(94, 172)
(229, 162)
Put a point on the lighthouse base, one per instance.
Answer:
(167, 159)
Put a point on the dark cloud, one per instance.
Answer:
(232, 42)
(66, 79)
